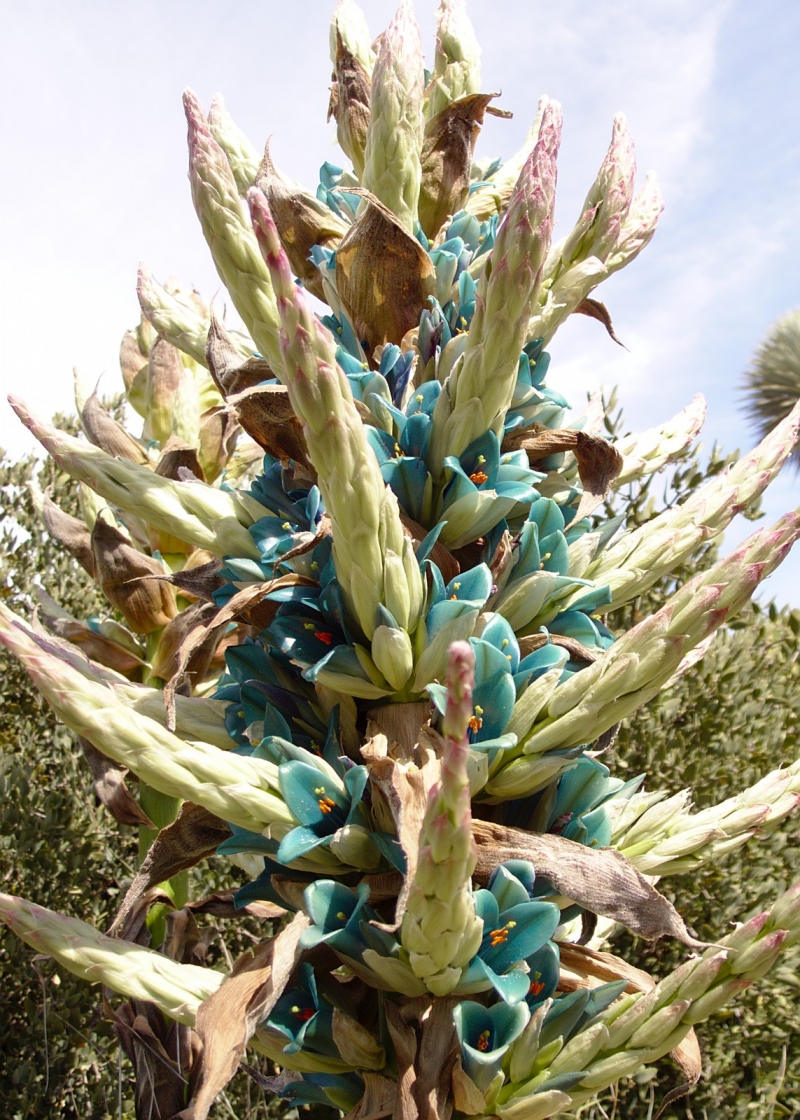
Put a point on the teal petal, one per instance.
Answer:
(299, 842)
(312, 798)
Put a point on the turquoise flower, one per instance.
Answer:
(326, 806)
(515, 928)
(305, 1020)
(337, 913)
(485, 1034)
(340, 1090)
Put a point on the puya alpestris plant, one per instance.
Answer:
(406, 568)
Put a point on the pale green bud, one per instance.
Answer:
(126, 968)
(352, 844)
(392, 170)
(615, 1066)
(539, 1106)
(704, 1007)
(243, 158)
(660, 1025)
(202, 515)
(581, 1049)
(391, 652)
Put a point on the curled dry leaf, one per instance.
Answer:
(217, 438)
(171, 656)
(200, 582)
(446, 159)
(600, 879)
(597, 310)
(165, 375)
(582, 967)
(95, 646)
(265, 413)
(221, 905)
(228, 1019)
(232, 373)
(164, 1055)
(193, 835)
(577, 651)
(380, 1094)
(69, 532)
(104, 432)
(599, 462)
(467, 1097)
(249, 605)
(302, 220)
(383, 275)
(177, 456)
(108, 779)
(402, 783)
(122, 571)
(132, 360)
(427, 1049)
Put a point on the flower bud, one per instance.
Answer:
(705, 1007)
(660, 1025)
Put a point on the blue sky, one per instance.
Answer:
(95, 180)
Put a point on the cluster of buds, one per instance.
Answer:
(358, 576)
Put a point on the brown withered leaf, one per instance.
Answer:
(108, 779)
(687, 1055)
(165, 373)
(177, 455)
(219, 432)
(350, 104)
(173, 656)
(356, 1044)
(404, 789)
(404, 1039)
(95, 646)
(302, 221)
(103, 431)
(164, 1055)
(446, 159)
(265, 413)
(324, 529)
(436, 1058)
(225, 364)
(426, 1048)
(69, 532)
(147, 604)
(377, 1100)
(220, 905)
(227, 1020)
(594, 309)
(193, 835)
(249, 605)
(402, 725)
(576, 650)
(503, 560)
(599, 462)
(383, 275)
(440, 555)
(467, 1097)
(201, 581)
(582, 967)
(131, 358)
(600, 879)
